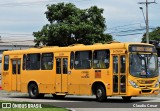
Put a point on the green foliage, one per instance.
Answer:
(154, 35)
(69, 25)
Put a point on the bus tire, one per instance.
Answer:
(126, 98)
(58, 96)
(33, 91)
(100, 93)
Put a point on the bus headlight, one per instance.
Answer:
(133, 84)
(157, 84)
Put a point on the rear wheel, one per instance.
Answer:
(126, 98)
(100, 93)
(34, 92)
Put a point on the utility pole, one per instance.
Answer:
(146, 21)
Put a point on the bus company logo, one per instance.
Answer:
(20, 105)
(6, 105)
(141, 81)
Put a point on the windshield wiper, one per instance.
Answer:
(146, 67)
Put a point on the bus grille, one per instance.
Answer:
(146, 91)
(146, 81)
(146, 86)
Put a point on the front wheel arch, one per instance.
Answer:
(95, 84)
(99, 89)
(33, 90)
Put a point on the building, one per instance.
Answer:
(11, 46)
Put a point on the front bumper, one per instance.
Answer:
(142, 91)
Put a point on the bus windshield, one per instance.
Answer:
(143, 65)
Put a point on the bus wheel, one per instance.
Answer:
(33, 91)
(58, 96)
(100, 93)
(126, 98)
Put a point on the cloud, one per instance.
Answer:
(31, 17)
(131, 38)
(21, 19)
(22, 1)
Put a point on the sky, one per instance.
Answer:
(124, 19)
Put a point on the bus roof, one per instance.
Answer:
(76, 47)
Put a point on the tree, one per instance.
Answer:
(153, 36)
(70, 25)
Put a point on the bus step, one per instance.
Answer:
(60, 93)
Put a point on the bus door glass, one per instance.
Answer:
(119, 74)
(16, 78)
(61, 74)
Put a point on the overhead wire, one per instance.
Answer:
(126, 25)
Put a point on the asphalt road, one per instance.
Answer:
(88, 103)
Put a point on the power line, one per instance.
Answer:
(124, 26)
(125, 31)
(132, 29)
(128, 34)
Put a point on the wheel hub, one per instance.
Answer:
(34, 91)
(99, 93)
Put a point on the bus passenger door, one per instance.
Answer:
(61, 74)
(16, 77)
(119, 74)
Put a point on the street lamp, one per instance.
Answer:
(143, 14)
(146, 21)
(147, 27)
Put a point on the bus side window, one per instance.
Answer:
(47, 61)
(6, 62)
(83, 60)
(101, 59)
(33, 62)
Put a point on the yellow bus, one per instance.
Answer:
(103, 70)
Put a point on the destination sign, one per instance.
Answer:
(142, 48)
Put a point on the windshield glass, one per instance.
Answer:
(143, 65)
